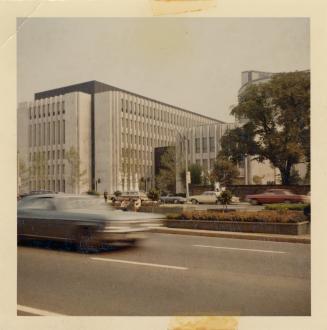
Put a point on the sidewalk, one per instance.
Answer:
(304, 239)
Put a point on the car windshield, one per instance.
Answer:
(81, 203)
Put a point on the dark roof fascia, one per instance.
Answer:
(99, 87)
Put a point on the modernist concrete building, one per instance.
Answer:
(112, 131)
(203, 144)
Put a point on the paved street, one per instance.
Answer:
(167, 275)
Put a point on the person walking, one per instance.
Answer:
(105, 195)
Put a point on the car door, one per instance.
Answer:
(34, 217)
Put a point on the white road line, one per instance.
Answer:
(39, 312)
(229, 248)
(140, 263)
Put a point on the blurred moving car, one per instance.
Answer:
(277, 196)
(170, 198)
(85, 220)
(36, 192)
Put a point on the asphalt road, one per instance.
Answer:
(167, 275)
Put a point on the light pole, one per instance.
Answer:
(184, 139)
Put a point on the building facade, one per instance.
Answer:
(202, 144)
(113, 132)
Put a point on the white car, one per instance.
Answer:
(207, 197)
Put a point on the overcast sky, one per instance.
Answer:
(193, 63)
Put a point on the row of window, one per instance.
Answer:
(146, 127)
(205, 144)
(39, 170)
(151, 142)
(46, 133)
(53, 185)
(140, 170)
(169, 116)
(44, 156)
(204, 164)
(44, 110)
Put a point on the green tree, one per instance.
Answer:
(23, 174)
(277, 123)
(224, 171)
(225, 198)
(166, 179)
(77, 175)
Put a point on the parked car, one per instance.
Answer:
(207, 197)
(85, 220)
(131, 195)
(170, 198)
(277, 196)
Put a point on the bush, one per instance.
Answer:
(117, 193)
(93, 193)
(225, 197)
(153, 194)
(291, 207)
(243, 216)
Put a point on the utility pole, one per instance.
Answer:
(186, 167)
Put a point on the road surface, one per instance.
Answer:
(167, 275)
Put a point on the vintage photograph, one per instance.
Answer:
(163, 167)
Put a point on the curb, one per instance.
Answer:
(250, 236)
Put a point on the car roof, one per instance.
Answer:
(59, 196)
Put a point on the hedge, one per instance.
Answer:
(291, 207)
(243, 216)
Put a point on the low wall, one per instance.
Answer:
(300, 228)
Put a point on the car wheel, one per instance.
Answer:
(287, 202)
(254, 202)
(194, 201)
(175, 201)
(85, 244)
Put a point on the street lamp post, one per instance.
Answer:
(184, 139)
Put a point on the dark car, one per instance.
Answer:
(85, 220)
(277, 196)
(170, 198)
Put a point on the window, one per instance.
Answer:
(198, 162)
(197, 145)
(53, 155)
(49, 135)
(63, 106)
(53, 132)
(58, 154)
(211, 144)
(63, 154)
(204, 145)
(29, 135)
(30, 112)
(205, 164)
(63, 132)
(58, 135)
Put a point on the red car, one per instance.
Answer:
(277, 196)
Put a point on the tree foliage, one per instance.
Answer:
(277, 123)
(77, 175)
(224, 171)
(166, 179)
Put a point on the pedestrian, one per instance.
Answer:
(105, 195)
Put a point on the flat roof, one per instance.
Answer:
(95, 87)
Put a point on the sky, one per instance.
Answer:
(192, 63)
